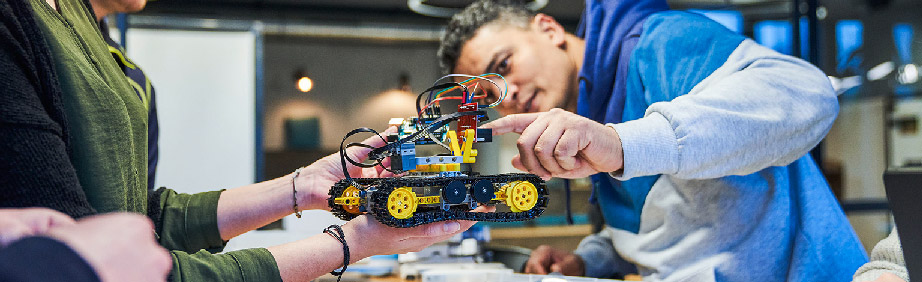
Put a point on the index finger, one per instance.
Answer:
(511, 123)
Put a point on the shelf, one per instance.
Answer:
(580, 230)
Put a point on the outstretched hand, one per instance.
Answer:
(369, 237)
(559, 143)
(316, 179)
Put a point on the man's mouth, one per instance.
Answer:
(530, 104)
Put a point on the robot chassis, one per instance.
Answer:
(434, 188)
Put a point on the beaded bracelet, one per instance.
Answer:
(294, 193)
(337, 232)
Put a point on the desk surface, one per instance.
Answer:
(348, 278)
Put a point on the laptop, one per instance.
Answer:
(904, 192)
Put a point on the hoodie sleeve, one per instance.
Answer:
(757, 109)
(887, 257)
(600, 258)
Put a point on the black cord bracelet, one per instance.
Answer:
(336, 232)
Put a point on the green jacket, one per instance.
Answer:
(108, 135)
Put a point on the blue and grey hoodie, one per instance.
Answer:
(715, 128)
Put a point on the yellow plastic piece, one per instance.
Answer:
(500, 195)
(467, 151)
(422, 168)
(453, 142)
(429, 200)
(350, 200)
(401, 203)
(521, 195)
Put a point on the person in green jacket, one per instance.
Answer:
(73, 137)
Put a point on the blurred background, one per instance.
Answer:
(249, 90)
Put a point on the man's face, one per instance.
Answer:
(539, 74)
(118, 6)
(128, 6)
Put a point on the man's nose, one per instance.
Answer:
(512, 92)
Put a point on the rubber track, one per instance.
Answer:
(384, 186)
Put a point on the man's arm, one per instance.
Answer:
(600, 252)
(756, 109)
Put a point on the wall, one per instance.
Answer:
(205, 87)
(349, 78)
(856, 141)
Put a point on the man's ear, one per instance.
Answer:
(550, 28)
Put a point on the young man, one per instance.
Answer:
(695, 138)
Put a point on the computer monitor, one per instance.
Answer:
(904, 192)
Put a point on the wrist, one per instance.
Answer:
(614, 149)
(353, 236)
(580, 265)
(305, 185)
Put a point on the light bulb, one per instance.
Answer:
(305, 84)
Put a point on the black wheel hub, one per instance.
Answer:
(482, 191)
(454, 192)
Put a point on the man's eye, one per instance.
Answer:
(503, 66)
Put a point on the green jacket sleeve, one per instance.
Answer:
(187, 222)
(242, 265)
(188, 226)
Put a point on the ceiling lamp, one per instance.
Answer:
(303, 82)
(445, 12)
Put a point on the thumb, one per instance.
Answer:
(439, 229)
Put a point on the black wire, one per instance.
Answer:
(336, 232)
(344, 157)
(566, 187)
(374, 154)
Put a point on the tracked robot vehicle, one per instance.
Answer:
(435, 188)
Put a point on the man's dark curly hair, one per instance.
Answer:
(465, 24)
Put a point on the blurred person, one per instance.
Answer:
(887, 263)
(695, 138)
(39, 244)
(137, 79)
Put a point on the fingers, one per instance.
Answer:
(526, 146)
(540, 261)
(511, 123)
(483, 208)
(517, 163)
(359, 154)
(440, 229)
(10, 233)
(566, 149)
(570, 265)
(546, 146)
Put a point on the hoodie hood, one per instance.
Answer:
(611, 29)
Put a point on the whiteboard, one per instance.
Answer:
(205, 95)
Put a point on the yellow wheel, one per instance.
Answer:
(521, 196)
(401, 203)
(351, 192)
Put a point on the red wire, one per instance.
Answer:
(447, 98)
